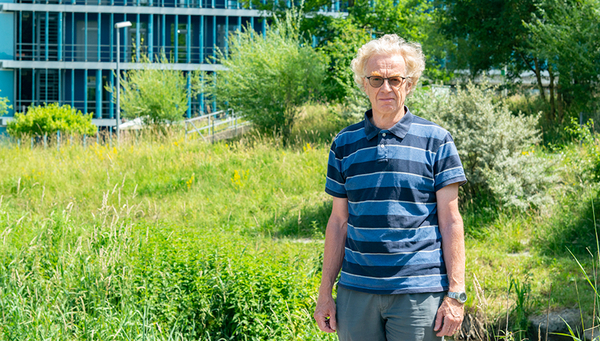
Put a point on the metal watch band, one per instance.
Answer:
(459, 296)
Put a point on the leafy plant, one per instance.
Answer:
(268, 78)
(495, 146)
(50, 118)
(157, 93)
(4, 106)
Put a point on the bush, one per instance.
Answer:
(495, 146)
(157, 93)
(4, 106)
(268, 78)
(50, 118)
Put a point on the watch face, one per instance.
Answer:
(462, 297)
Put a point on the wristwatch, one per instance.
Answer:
(459, 296)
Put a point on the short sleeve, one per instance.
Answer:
(447, 168)
(336, 183)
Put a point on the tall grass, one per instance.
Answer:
(161, 239)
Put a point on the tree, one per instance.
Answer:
(50, 118)
(567, 35)
(156, 93)
(490, 34)
(267, 79)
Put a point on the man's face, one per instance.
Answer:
(386, 100)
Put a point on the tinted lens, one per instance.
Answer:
(376, 81)
(395, 81)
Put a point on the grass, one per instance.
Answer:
(163, 238)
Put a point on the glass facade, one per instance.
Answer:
(65, 50)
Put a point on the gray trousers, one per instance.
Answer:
(372, 317)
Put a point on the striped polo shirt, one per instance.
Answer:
(390, 178)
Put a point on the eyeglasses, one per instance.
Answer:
(377, 81)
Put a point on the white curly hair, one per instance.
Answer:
(390, 44)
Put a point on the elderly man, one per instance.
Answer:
(395, 230)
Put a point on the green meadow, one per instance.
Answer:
(163, 238)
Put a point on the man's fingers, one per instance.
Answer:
(333, 322)
(438, 320)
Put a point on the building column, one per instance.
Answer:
(85, 92)
(188, 40)
(176, 38)
(99, 37)
(201, 38)
(46, 24)
(137, 38)
(60, 36)
(98, 93)
(151, 37)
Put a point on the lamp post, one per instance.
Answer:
(118, 26)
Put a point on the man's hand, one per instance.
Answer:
(325, 314)
(449, 317)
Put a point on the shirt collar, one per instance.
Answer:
(399, 129)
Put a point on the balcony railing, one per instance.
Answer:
(334, 6)
(108, 53)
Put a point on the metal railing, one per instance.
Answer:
(210, 125)
(107, 53)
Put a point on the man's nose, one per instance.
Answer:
(386, 85)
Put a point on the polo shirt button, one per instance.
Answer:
(383, 134)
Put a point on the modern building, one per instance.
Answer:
(65, 50)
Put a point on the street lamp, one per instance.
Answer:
(118, 26)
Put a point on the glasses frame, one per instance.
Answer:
(385, 79)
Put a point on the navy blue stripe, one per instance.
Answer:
(422, 142)
(334, 174)
(393, 246)
(345, 149)
(395, 271)
(335, 194)
(447, 163)
(395, 165)
(397, 221)
(391, 193)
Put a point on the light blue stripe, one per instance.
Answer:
(399, 234)
(428, 130)
(332, 161)
(410, 154)
(334, 186)
(349, 137)
(449, 174)
(390, 179)
(390, 208)
(413, 283)
(421, 257)
(368, 153)
(446, 150)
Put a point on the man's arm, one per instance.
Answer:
(335, 241)
(450, 314)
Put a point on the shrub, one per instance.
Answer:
(495, 146)
(268, 78)
(50, 118)
(156, 93)
(4, 106)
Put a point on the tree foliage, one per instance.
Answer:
(268, 78)
(50, 118)
(567, 35)
(489, 33)
(157, 93)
